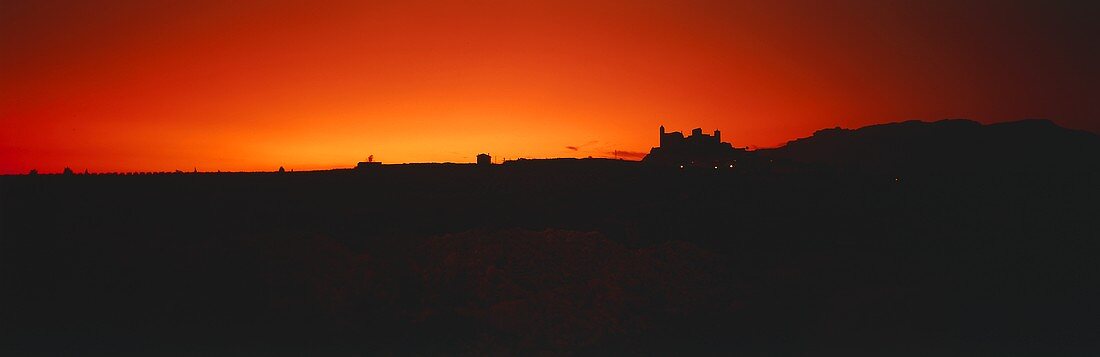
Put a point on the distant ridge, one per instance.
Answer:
(952, 145)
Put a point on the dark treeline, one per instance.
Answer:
(780, 256)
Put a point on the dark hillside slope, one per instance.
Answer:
(946, 146)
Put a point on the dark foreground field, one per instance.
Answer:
(571, 257)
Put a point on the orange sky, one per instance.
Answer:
(254, 85)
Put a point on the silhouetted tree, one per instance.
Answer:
(281, 169)
(33, 172)
(68, 171)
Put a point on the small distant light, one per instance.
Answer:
(731, 165)
(681, 166)
(716, 167)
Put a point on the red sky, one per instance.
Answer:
(253, 85)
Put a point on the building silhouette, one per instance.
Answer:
(675, 141)
(363, 165)
(484, 159)
(698, 149)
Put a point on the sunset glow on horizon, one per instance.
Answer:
(119, 86)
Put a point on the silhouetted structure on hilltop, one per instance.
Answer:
(696, 150)
(363, 165)
(484, 159)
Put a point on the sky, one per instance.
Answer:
(150, 85)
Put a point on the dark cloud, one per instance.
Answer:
(629, 155)
(578, 147)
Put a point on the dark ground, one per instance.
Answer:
(570, 257)
(943, 258)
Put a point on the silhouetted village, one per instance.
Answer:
(913, 238)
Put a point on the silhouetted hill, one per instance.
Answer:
(946, 146)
